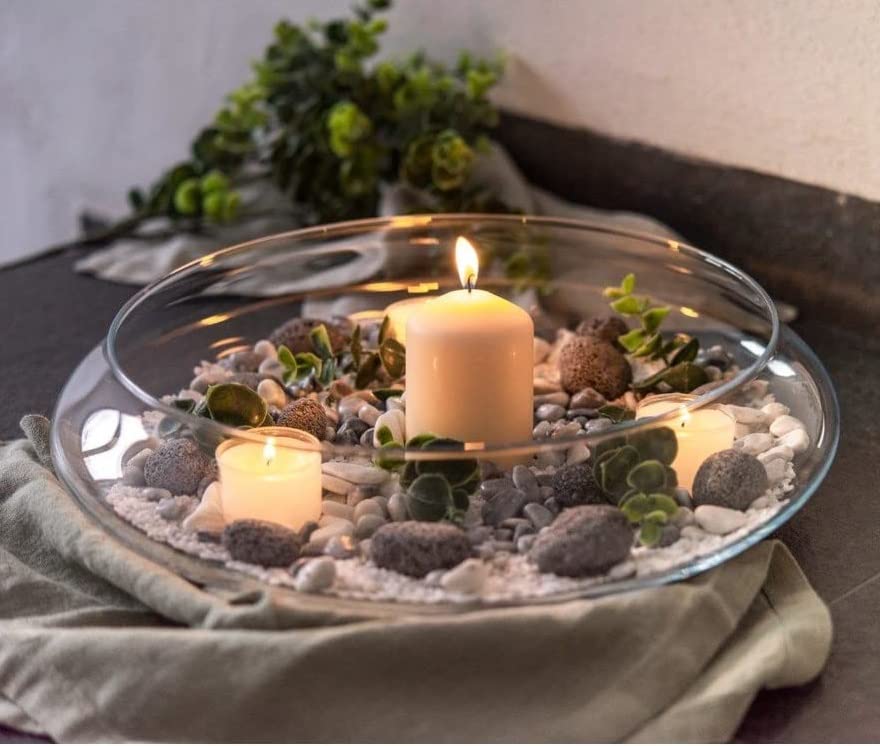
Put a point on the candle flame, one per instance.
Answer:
(269, 451)
(467, 262)
(684, 414)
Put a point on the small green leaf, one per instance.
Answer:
(653, 317)
(419, 441)
(613, 293)
(327, 373)
(286, 358)
(638, 506)
(687, 353)
(685, 377)
(630, 305)
(393, 356)
(616, 413)
(657, 443)
(367, 371)
(429, 498)
(384, 329)
(656, 516)
(651, 346)
(650, 534)
(648, 476)
(384, 435)
(628, 284)
(613, 470)
(385, 394)
(632, 340)
(235, 405)
(320, 340)
(356, 347)
(388, 456)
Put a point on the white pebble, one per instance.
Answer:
(797, 440)
(469, 577)
(339, 527)
(718, 520)
(783, 452)
(785, 424)
(316, 575)
(773, 410)
(266, 350)
(397, 507)
(577, 454)
(269, 367)
(747, 415)
(775, 470)
(133, 476)
(395, 403)
(272, 393)
(209, 515)
(755, 443)
(140, 458)
(542, 350)
(349, 406)
(367, 507)
(740, 430)
(339, 510)
(369, 414)
(329, 520)
(395, 422)
(354, 473)
(335, 485)
(694, 533)
(765, 501)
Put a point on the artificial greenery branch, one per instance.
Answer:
(327, 125)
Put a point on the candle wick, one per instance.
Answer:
(470, 283)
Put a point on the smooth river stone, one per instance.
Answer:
(785, 424)
(747, 415)
(355, 473)
(718, 520)
(335, 485)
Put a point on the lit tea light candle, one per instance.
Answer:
(469, 357)
(699, 433)
(278, 480)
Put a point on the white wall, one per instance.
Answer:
(97, 95)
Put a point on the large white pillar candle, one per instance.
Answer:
(469, 358)
(699, 433)
(276, 480)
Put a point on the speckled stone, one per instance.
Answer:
(730, 479)
(414, 548)
(591, 362)
(261, 543)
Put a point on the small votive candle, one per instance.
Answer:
(699, 433)
(398, 314)
(277, 480)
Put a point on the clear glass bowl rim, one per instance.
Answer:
(492, 451)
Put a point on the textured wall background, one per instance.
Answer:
(97, 95)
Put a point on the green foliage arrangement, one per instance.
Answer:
(647, 341)
(328, 125)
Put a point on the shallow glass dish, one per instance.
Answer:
(557, 269)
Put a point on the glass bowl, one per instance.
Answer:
(347, 274)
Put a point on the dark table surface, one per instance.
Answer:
(54, 317)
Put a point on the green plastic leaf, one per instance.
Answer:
(384, 329)
(685, 377)
(393, 356)
(650, 534)
(613, 470)
(628, 284)
(648, 476)
(653, 317)
(651, 346)
(367, 371)
(630, 305)
(638, 506)
(286, 358)
(658, 443)
(356, 347)
(632, 340)
(388, 456)
(616, 413)
(235, 405)
(320, 340)
(384, 435)
(429, 498)
(687, 353)
(327, 374)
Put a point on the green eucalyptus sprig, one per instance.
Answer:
(647, 341)
(367, 363)
(319, 365)
(327, 125)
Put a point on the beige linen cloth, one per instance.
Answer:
(99, 644)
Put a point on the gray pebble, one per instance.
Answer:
(550, 412)
(140, 458)
(683, 517)
(340, 547)
(367, 438)
(337, 509)
(493, 486)
(683, 497)
(397, 507)
(513, 523)
(599, 424)
(586, 414)
(525, 480)
(559, 398)
(173, 508)
(539, 515)
(524, 544)
(524, 529)
(355, 426)
(587, 399)
(502, 505)
(368, 506)
(503, 534)
(133, 476)
(542, 430)
(552, 504)
(479, 534)
(316, 575)
(155, 494)
(367, 525)
(504, 546)
(669, 535)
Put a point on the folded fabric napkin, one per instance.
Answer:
(99, 644)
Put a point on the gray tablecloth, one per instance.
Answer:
(99, 644)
